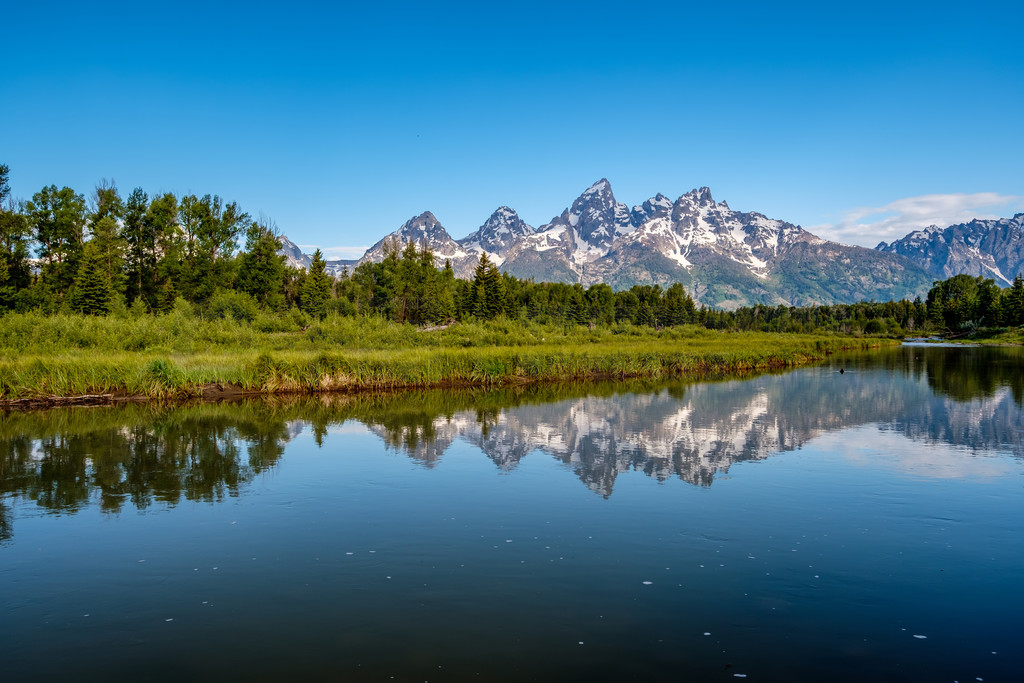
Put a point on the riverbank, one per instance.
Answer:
(92, 360)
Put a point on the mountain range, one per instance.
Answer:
(697, 432)
(724, 258)
(986, 248)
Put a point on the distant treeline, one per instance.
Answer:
(60, 253)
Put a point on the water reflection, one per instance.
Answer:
(64, 460)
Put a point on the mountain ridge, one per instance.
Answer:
(725, 258)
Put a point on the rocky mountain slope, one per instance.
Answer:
(986, 248)
(725, 258)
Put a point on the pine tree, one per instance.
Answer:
(6, 290)
(91, 293)
(261, 268)
(316, 290)
(1012, 303)
(479, 304)
(645, 315)
(109, 245)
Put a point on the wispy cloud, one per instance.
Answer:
(331, 253)
(867, 226)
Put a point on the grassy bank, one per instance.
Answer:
(179, 355)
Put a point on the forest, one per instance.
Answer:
(143, 254)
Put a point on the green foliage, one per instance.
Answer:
(179, 354)
(964, 303)
(1011, 303)
(15, 233)
(261, 270)
(173, 256)
(316, 290)
(140, 248)
(227, 303)
(488, 290)
(163, 372)
(58, 219)
(91, 294)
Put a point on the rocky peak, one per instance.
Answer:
(699, 197)
(656, 206)
(596, 217)
(499, 232)
(426, 225)
(293, 254)
(981, 248)
(421, 229)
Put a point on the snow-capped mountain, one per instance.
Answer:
(986, 248)
(294, 255)
(725, 258)
(497, 235)
(425, 230)
(562, 249)
(730, 258)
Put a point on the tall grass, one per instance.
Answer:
(178, 355)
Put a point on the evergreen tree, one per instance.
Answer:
(91, 294)
(15, 232)
(1012, 303)
(627, 306)
(645, 315)
(108, 244)
(577, 306)
(261, 269)
(488, 290)
(6, 289)
(678, 308)
(168, 238)
(140, 248)
(316, 290)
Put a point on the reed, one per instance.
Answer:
(176, 355)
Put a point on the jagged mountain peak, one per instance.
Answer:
(425, 219)
(596, 217)
(990, 248)
(700, 196)
(499, 232)
(423, 229)
(724, 257)
(658, 205)
(503, 215)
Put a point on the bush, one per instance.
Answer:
(233, 305)
(876, 326)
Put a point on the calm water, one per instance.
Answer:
(806, 526)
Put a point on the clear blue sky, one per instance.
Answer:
(854, 120)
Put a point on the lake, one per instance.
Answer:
(857, 520)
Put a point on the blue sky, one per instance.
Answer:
(858, 121)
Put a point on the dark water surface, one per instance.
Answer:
(806, 526)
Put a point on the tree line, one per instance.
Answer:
(62, 252)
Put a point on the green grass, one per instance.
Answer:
(996, 335)
(176, 355)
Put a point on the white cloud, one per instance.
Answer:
(331, 253)
(867, 226)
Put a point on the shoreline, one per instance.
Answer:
(364, 371)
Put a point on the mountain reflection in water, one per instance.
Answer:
(63, 460)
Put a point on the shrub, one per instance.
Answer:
(233, 305)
